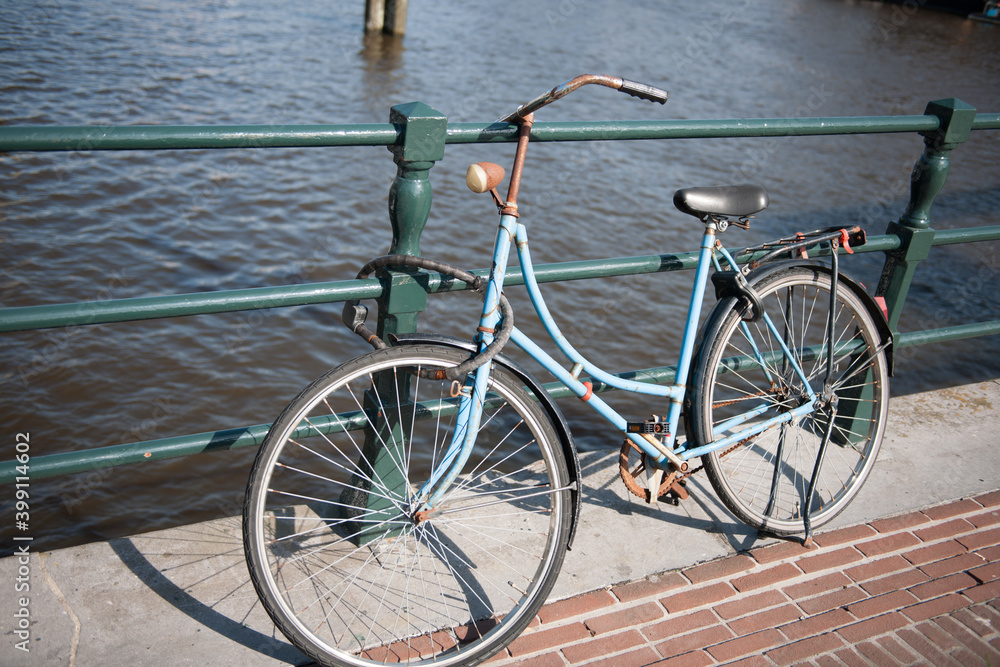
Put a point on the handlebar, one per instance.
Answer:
(644, 92)
(640, 90)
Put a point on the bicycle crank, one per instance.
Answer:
(636, 476)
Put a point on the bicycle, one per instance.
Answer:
(415, 503)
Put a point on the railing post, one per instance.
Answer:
(926, 180)
(423, 132)
(421, 144)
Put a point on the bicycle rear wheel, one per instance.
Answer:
(764, 479)
(342, 557)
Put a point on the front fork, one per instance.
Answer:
(472, 394)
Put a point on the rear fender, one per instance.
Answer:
(843, 282)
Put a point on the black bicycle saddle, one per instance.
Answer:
(737, 201)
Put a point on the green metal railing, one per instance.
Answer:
(417, 136)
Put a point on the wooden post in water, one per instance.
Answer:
(395, 17)
(388, 16)
(374, 15)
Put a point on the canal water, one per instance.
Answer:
(86, 226)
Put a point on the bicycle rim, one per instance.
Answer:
(764, 479)
(343, 563)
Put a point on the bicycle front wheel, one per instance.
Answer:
(350, 564)
(744, 370)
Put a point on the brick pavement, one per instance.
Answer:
(918, 589)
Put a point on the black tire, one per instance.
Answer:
(341, 558)
(761, 488)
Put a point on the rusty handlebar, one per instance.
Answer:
(633, 88)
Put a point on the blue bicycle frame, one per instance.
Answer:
(661, 454)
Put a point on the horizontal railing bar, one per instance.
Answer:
(169, 137)
(945, 334)
(25, 318)
(113, 456)
(966, 235)
(97, 458)
(28, 318)
(158, 137)
(692, 129)
(986, 121)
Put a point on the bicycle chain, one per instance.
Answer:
(669, 480)
(727, 452)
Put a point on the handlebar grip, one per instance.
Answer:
(642, 91)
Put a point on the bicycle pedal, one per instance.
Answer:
(677, 492)
(672, 490)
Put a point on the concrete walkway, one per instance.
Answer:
(904, 575)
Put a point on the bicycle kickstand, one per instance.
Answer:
(807, 539)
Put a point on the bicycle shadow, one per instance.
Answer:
(201, 572)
